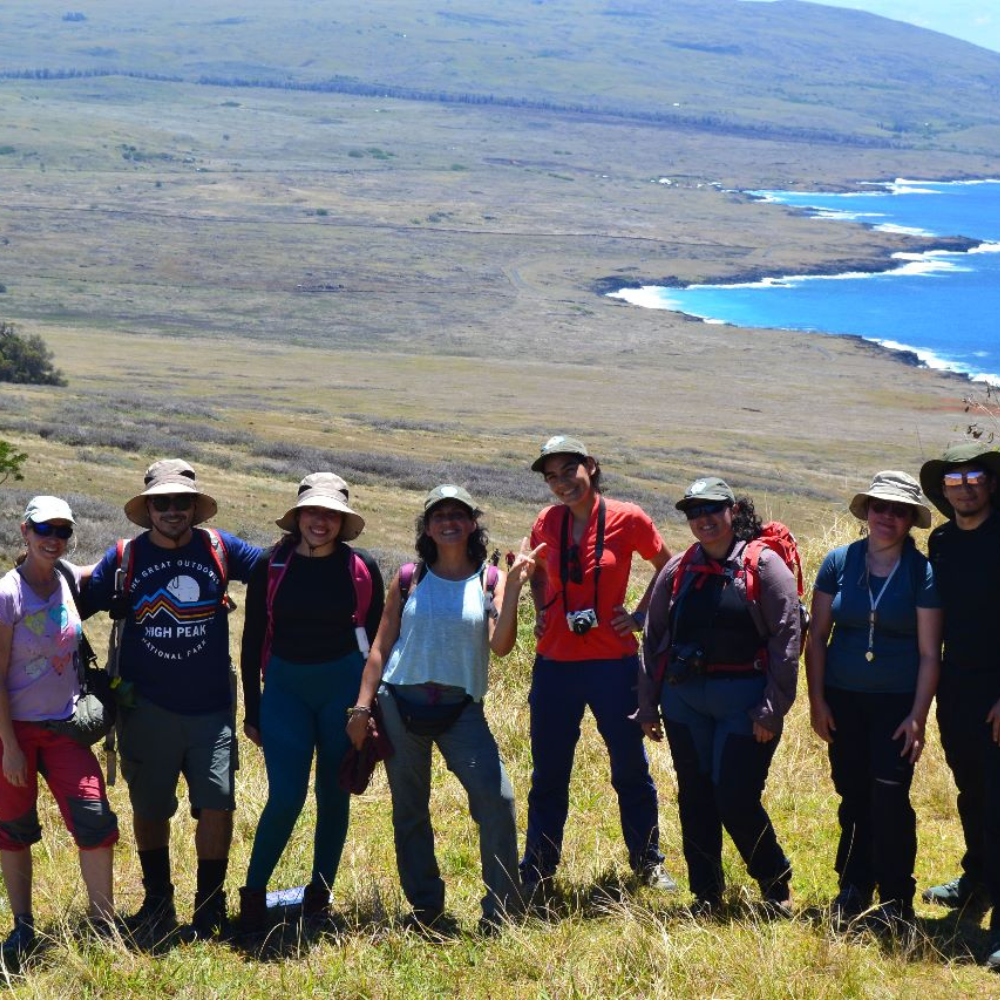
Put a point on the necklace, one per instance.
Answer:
(873, 603)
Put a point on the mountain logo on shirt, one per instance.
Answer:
(179, 600)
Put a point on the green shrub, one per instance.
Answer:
(25, 358)
(11, 461)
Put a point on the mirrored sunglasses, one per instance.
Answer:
(975, 477)
(45, 530)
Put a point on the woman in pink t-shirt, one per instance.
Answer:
(39, 639)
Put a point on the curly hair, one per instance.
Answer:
(478, 545)
(747, 523)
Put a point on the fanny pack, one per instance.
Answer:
(95, 711)
(427, 719)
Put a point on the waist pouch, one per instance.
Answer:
(95, 711)
(427, 720)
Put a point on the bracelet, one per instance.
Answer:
(639, 617)
(359, 710)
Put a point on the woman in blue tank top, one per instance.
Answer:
(442, 618)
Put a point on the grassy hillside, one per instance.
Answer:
(799, 67)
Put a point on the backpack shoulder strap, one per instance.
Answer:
(410, 574)
(277, 567)
(489, 577)
(124, 564)
(217, 549)
(362, 578)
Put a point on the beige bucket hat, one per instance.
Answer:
(896, 487)
(327, 490)
(170, 476)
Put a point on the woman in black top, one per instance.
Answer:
(313, 606)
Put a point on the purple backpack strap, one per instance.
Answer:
(362, 578)
(406, 572)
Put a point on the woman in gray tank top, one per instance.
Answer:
(443, 617)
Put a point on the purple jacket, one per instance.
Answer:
(776, 616)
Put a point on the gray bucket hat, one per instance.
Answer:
(45, 508)
(560, 444)
(447, 491)
(709, 489)
(170, 476)
(327, 490)
(896, 487)
(967, 453)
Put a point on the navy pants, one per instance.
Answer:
(974, 759)
(561, 691)
(878, 827)
(721, 772)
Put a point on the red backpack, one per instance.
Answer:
(774, 536)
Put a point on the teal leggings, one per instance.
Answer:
(304, 709)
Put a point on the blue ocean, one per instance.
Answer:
(942, 306)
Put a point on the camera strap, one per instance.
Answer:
(598, 550)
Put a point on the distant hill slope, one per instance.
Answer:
(787, 65)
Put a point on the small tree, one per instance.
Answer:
(11, 461)
(25, 358)
(983, 407)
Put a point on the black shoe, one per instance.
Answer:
(893, 920)
(20, 944)
(155, 920)
(538, 890)
(210, 919)
(705, 907)
(777, 899)
(849, 904)
(972, 898)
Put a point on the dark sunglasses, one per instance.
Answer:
(705, 509)
(575, 567)
(977, 477)
(45, 530)
(178, 501)
(899, 510)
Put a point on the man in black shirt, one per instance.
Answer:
(965, 555)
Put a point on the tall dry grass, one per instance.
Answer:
(602, 938)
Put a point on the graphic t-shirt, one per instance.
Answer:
(628, 529)
(175, 648)
(42, 679)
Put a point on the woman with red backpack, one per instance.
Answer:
(720, 661)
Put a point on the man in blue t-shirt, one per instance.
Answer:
(965, 555)
(177, 690)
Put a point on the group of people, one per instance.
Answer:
(328, 655)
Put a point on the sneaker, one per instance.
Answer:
(656, 877)
(961, 893)
(892, 919)
(154, 920)
(705, 907)
(849, 904)
(20, 944)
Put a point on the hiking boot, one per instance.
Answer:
(705, 907)
(20, 944)
(848, 905)
(209, 920)
(993, 958)
(316, 901)
(253, 911)
(656, 877)
(892, 920)
(155, 919)
(972, 898)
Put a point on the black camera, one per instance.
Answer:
(685, 662)
(581, 622)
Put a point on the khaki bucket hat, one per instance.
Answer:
(329, 491)
(897, 487)
(969, 452)
(170, 476)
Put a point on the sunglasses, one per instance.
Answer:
(45, 530)
(180, 501)
(705, 509)
(977, 477)
(899, 510)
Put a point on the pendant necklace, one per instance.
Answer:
(873, 604)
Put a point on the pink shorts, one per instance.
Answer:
(74, 776)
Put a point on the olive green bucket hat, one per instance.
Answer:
(896, 487)
(969, 452)
(560, 444)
